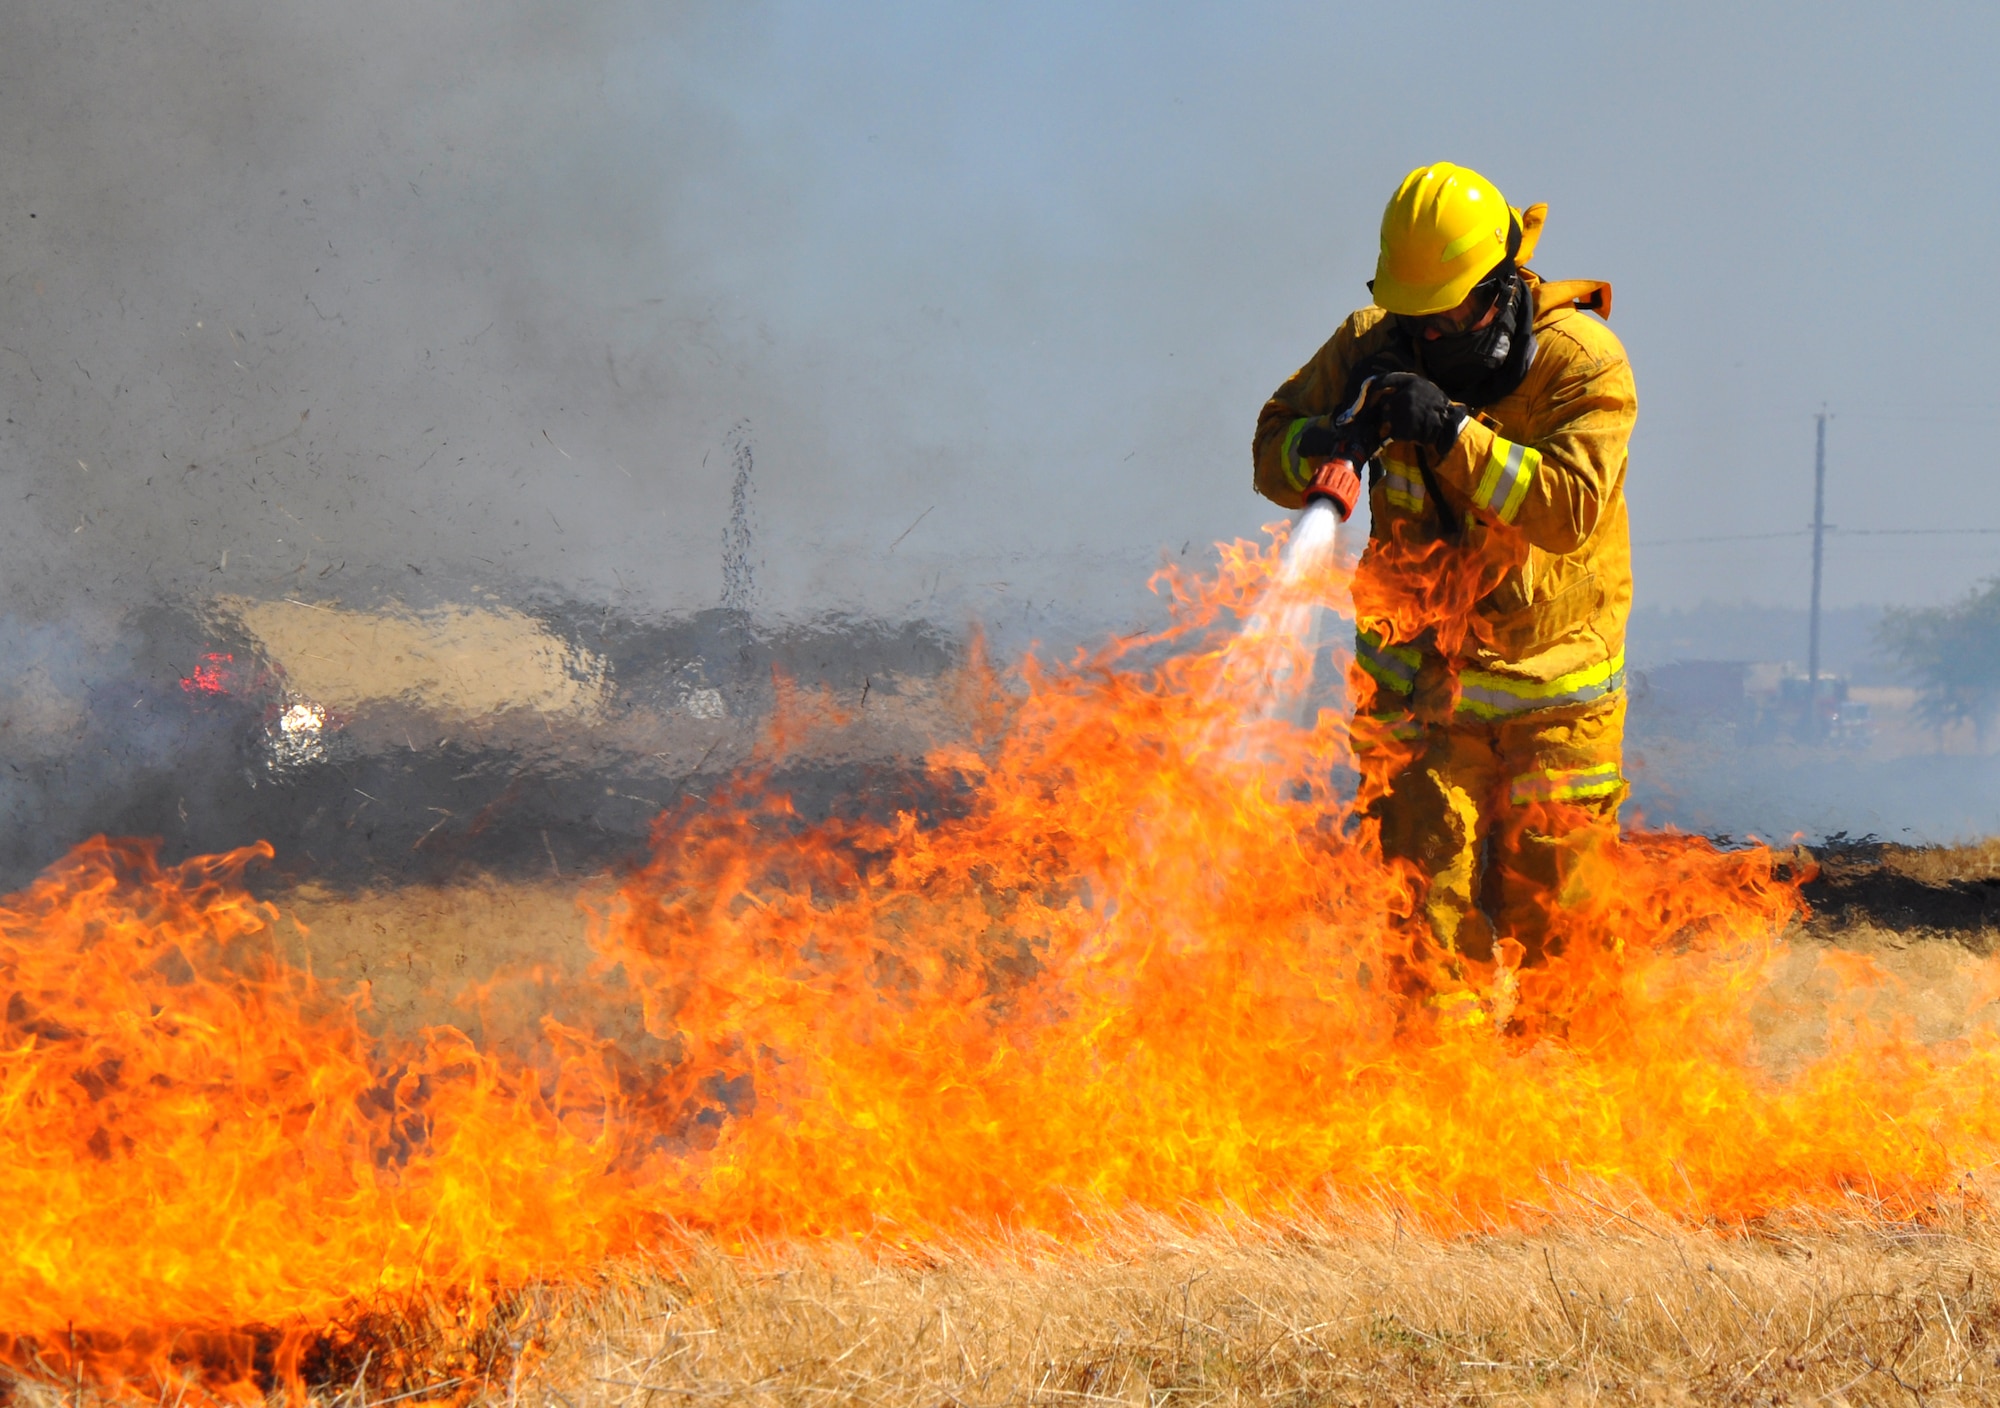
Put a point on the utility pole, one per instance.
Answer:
(1819, 537)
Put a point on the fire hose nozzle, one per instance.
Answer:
(1339, 483)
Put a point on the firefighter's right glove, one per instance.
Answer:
(1318, 440)
(1414, 408)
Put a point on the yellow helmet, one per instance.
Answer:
(1446, 228)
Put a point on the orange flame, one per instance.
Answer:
(1421, 583)
(207, 1162)
(1135, 950)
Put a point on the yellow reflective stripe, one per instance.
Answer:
(1486, 696)
(1393, 666)
(1403, 485)
(1295, 469)
(1510, 469)
(1467, 241)
(1565, 784)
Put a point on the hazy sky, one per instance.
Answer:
(484, 287)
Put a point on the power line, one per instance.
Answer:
(1653, 434)
(1807, 532)
(1722, 538)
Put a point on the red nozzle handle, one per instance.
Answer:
(1339, 484)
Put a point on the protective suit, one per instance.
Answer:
(1491, 604)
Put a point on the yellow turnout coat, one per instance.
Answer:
(1547, 460)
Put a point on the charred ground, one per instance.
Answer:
(1950, 892)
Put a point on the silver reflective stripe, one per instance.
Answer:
(1404, 488)
(1510, 475)
(1503, 484)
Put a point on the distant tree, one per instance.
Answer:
(1952, 653)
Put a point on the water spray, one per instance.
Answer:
(1272, 656)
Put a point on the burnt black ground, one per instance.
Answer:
(1860, 882)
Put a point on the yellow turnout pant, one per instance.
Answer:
(1499, 817)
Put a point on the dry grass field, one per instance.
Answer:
(1606, 1303)
(1602, 1308)
(1946, 865)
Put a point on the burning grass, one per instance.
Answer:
(1578, 1291)
(1603, 1302)
(1068, 1089)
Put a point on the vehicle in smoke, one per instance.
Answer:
(1748, 703)
(1813, 712)
(393, 743)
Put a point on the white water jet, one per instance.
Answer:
(1267, 669)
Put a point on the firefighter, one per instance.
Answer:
(1492, 597)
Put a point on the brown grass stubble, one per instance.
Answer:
(1944, 865)
(1602, 1306)
(1610, 1310)
(1626, 1309)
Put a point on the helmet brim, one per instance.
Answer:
(1415, 301)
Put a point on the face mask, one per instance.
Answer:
(1478, 368)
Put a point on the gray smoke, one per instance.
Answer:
(397, 308)
(710, 331)
(338, 297)
(405, 299)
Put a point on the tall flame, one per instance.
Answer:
(1133, 949)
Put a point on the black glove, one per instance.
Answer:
(1413, 408)
(1319, 440)
(1354, 432)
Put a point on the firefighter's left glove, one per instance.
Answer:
(1414, 408)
